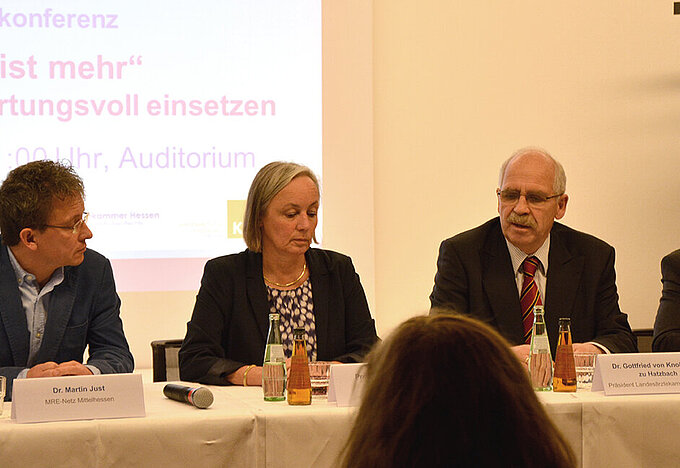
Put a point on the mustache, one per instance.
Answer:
(523, 220)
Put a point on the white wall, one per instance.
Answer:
(416, 125)
(458, 86)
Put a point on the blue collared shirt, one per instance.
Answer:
(34, 301)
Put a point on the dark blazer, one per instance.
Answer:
(84, 311)
(667, 323)
(229, 325)
(475, 277)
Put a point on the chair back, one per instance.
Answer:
(644, 339)
(165, 356)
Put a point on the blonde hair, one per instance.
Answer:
(268, 182)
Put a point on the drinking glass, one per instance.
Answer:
(319, 372)
(585, 366)
(3, 382)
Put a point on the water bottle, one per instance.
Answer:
(540, 358)
(274, 364)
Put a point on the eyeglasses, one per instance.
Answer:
(532, 198)
(76, 227)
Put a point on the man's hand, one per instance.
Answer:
(73, 368)
(52, 369)
(522, 353)
(46, 369)
(586, 348)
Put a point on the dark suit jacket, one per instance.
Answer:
(83, 311)
(475, 277)
(229, 325)
(667, 323)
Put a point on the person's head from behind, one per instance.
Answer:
(531, 197)
(446, 390)
(42, 212)
(281, 210)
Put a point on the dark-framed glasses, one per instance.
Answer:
(76, 227)
(533, 198)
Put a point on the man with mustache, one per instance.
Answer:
(484, 271)
(56, 296)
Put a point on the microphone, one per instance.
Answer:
(200, 397)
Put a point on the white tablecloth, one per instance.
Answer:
(622, 431)
(240, 429)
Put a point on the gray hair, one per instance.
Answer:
(560, 181)
(269, 181)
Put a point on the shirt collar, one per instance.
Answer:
(517, 256)
(24, 276)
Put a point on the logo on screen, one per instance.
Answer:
(235, 211)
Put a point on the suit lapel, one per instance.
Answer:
(564, 276)
(11, 311)
(59, 311)
(500, 286)
(257, 292)
(318, 273)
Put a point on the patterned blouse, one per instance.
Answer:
(296, 309)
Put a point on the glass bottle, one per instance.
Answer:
(564, 379)
(299, 383)
(540, 358)
(274, 363)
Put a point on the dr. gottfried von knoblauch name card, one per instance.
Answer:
(628, 374)
(78, 397)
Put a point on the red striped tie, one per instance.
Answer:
(529, 296)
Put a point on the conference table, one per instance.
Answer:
(618, 431)
(240, 429)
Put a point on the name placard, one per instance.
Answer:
(346, 384)
(637, 373)
(78, 397)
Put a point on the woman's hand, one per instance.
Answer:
(253, 378)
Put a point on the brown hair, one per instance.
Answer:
(269, 181)
(27, 194)
(446, 390)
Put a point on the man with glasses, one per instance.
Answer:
(498, 271)
(56, 296)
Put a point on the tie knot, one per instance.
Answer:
(529, 266)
